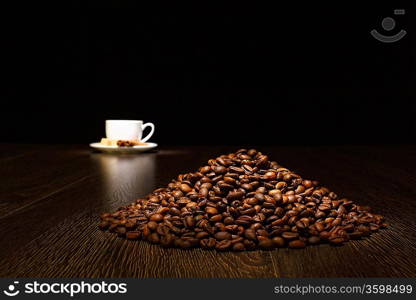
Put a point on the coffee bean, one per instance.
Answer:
(374, 227)
(211, 210)
(104, 225)
(239, 247)
(121, 231)
(250, 234)
(152, 225)
(248, 211)
(219, 169)
(278, 242)
(189, 222)
(177, 194)
(265, 244)
(236, 169)
(105, 215)
(208, 243)
(364, 230)
(356, 235)
(234, 195)
(216, 218)
(324, 207)
(319, 226)
(183, 244)
(223, 245)
(262, 232)
(336, 240)
(247, 186)
(228, 220)
(270, 176)
(133, 235)
(222, 235)
(185, 188)
(290, 235)
(167, 240)
(174, 211)
(203, 192)
(297, 244)
(156, 218)
(313, 240)
(154, 238)
(244, 220)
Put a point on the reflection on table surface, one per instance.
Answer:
(126, 177)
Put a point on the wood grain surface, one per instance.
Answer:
(51, 196)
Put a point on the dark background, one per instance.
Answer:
(209, 74)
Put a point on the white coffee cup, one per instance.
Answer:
(127, 130)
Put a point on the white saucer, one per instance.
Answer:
(116, 149)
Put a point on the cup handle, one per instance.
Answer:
(152, 129)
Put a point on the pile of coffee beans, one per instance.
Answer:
(242, 201)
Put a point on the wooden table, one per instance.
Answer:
(50, 198)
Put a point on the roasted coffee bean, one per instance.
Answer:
(222, 235)
(252, 152)
(156, 218)
(259, 197)
(133, 235)
(235, 195)
(154, 238)
(219, 169)
(364, 230)
(167, 240)
(374, 227)
(355, 235)
(162, 229)
(242, 201)
(262, 232)
(266, 244)
(229, 180)
(228, 220)
(202, 235)
(298, 244)
(189, 221)
(121, 231)
(236, 170)
(244, 220)
(290, 235)
(205, 169)
(223, 245)
(324, 235)
(104, 225)
(203, 192)
(174, 211)
(319, 226)
(208, 243)
(313, 240)
(185, 188)
(278, 242)
(239, 247)
(250, 234)
(216, 218)
(301, 225)
(248, 211)
(152, 225)
(183, 243)
(105, 216)
(177, 194)
(336, 240)
(211, 210)
(270, 176)
(247, 186)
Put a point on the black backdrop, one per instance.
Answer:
(236, 74)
